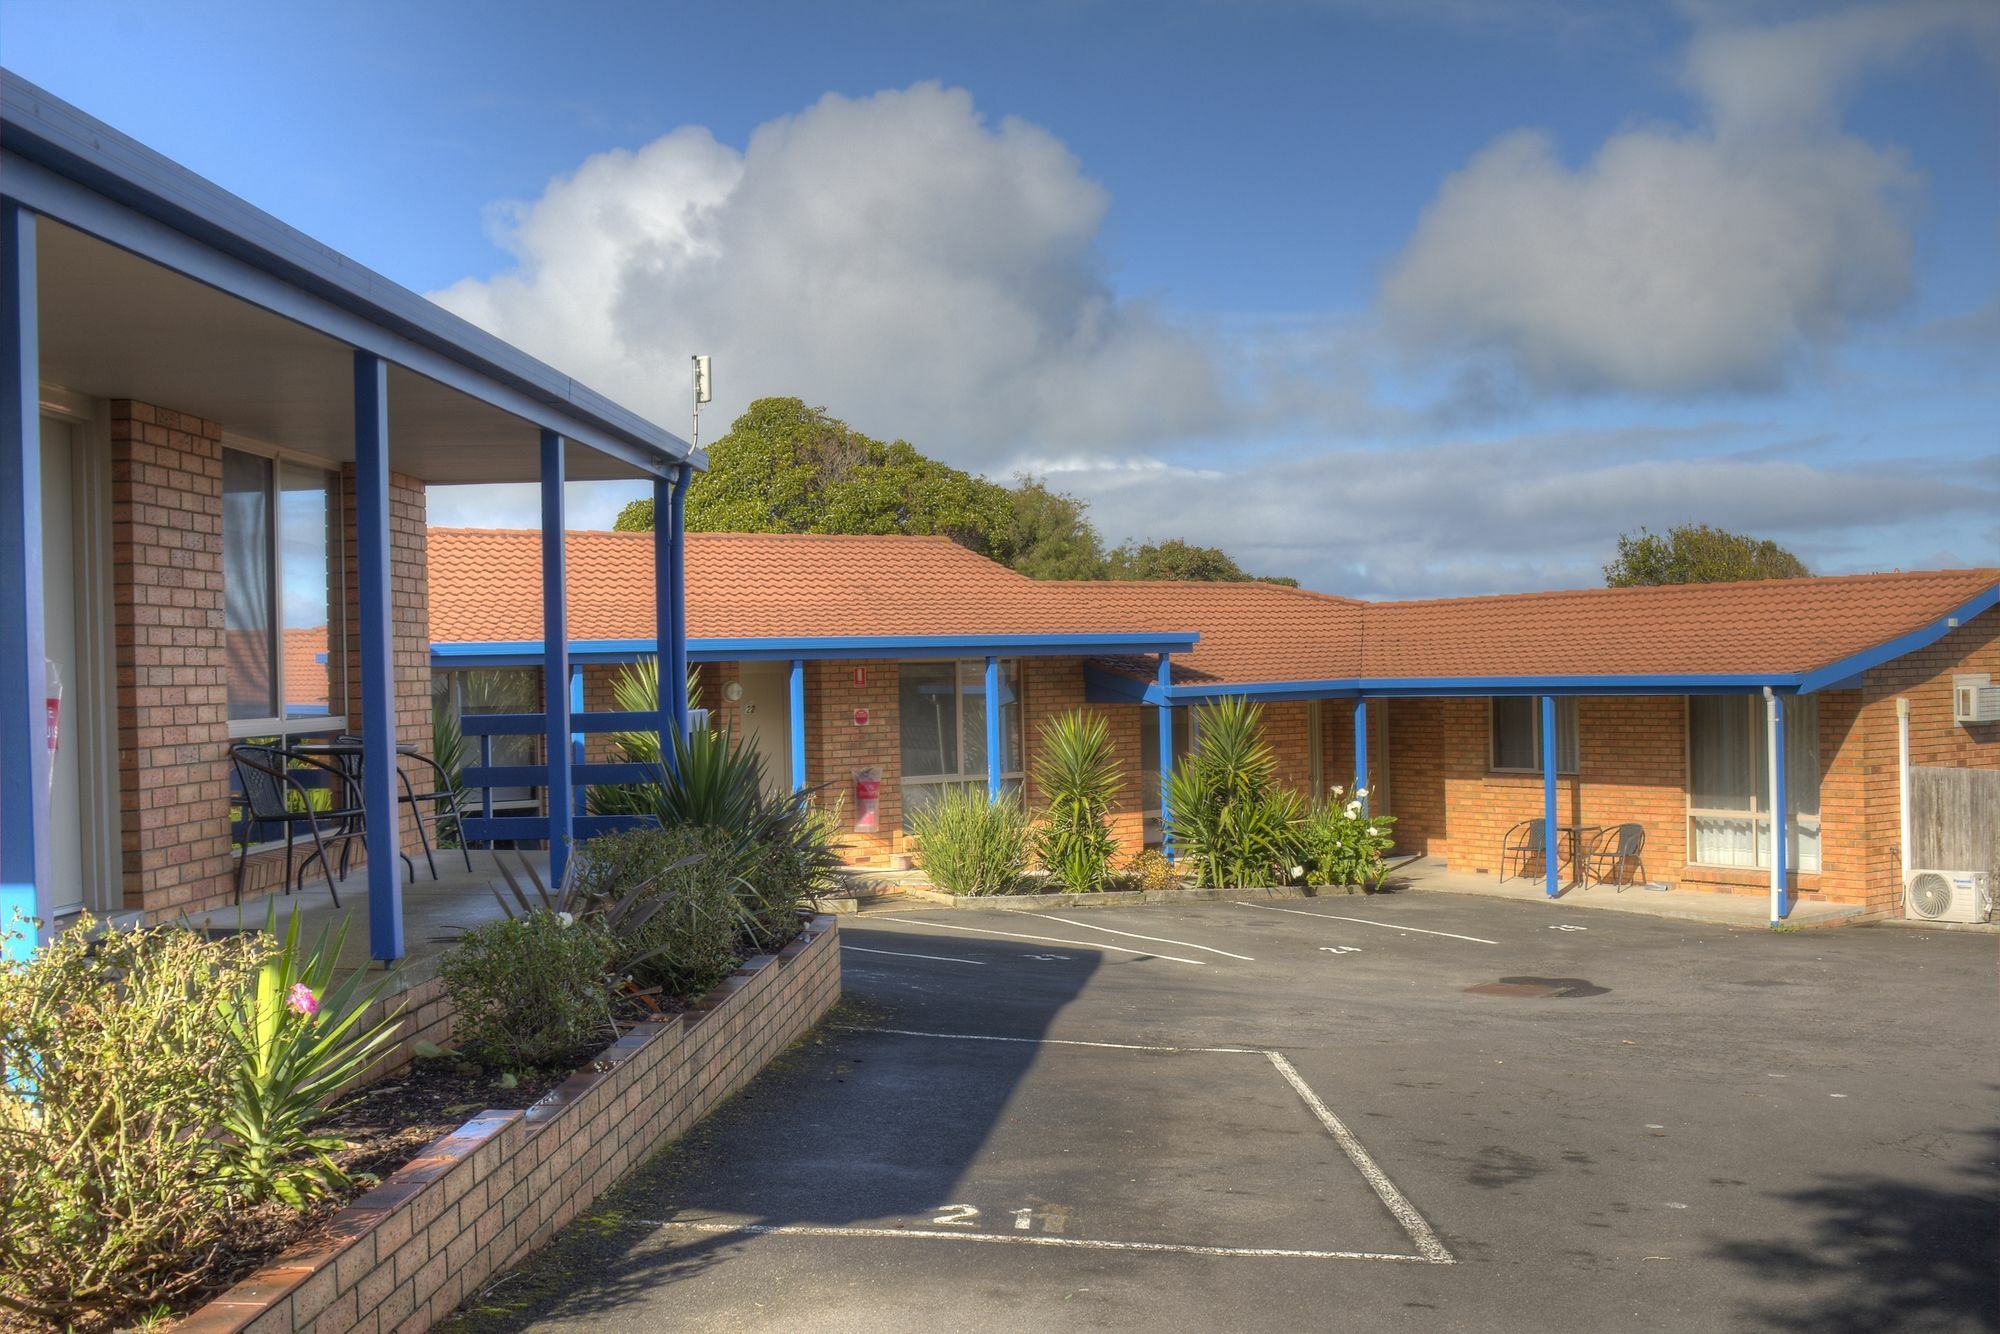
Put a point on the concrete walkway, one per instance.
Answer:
(1431, 876)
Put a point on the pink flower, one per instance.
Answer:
(301, 1000)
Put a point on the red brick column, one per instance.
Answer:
(173, 684)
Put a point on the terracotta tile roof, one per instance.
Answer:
(486, 587)
(1776, 626)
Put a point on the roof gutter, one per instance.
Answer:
(516, 653)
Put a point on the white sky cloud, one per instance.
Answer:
(1684, 260)
(896, 257)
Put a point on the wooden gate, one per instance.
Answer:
(1955, 819)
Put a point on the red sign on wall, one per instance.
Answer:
(860, 676)
(861, 717)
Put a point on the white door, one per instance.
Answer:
(766, 708)
(59, 633)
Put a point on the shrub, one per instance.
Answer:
(968, 844)
(669, 900)
(788, 861)
(299, 1041)
(118, 1054)
(1150, 870)
(1232, 823)
(1079, 779)
(532, 991)
(1340, 845)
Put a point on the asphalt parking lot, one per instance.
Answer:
(1414, 1112)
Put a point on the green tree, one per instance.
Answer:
(788, 468)
(1050, 535)
(1698, 554)
(1175, 559)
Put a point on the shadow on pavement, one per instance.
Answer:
(1876, 1253)
(850, 1126)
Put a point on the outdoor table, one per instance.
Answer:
(1577, 834)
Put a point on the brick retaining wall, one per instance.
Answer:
(404, 1255)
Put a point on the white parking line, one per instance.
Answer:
(1017, 1239)
(1051, 1042)
(1134, 935)
(1363, 921)
(904, 954)
(1430, 1249)
(1046, 940)
(1385, 1190)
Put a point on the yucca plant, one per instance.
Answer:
(1232, 823)
(968, 844)
(1078, 774)
(300, 1039)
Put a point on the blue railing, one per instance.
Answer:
(486, 827)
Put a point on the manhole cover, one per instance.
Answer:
(1538, 988)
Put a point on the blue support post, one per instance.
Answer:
(1166, 757)
(555, 657)
(1361, 754)
(576, 738)
(1551, 835)
(684, 478)
(666, 583)
(25, 884)
(377, 652)
(798, 692)
(995, 761)
(1781, 907)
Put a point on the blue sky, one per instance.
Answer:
(1402, 298)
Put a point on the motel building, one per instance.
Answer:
(881, 671)
(216, 436)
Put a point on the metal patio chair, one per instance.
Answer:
(1523, 845)
(446, 793)
(266, 776)
(1614, 853)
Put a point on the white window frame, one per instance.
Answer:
(1011, 780)
(1563, 703)
(1806, 830)
(279, 726)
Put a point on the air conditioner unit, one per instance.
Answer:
(1948, 896)
(1973, 700)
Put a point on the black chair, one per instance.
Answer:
(442, 801)
(1613, 855)
(268, 780)
(1523, 845)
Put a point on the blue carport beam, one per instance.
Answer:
(995, 761)
(1166, 721)
(797, 684)
(555, 659)
(1361, 755)
(377, 650)
(666, 595)
(1551, 835)
(25, 886)
(677, 646)
(1780, 813)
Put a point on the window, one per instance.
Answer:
(283, 577)
(1729, 781)
(1149, 761)
(942, 718)
(1517, 734)
(493, 690)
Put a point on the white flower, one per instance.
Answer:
(1360, 791)
(565, 919)
(1298, 872)
(1353, 809)
(1338, 790)
(1371, 831)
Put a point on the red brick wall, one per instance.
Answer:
(1051, 687)
(836, 746)
(409, 592)
(173, 681)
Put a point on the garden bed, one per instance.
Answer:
(496, 1185)
(1118, 898)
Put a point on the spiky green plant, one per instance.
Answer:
(968, 844)
(1078, 776)
(301, 1039)
(1232, 823)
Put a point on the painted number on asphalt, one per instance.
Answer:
(1569, 928)
(1341, 949)
(1049, 958)
(956, 1215)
